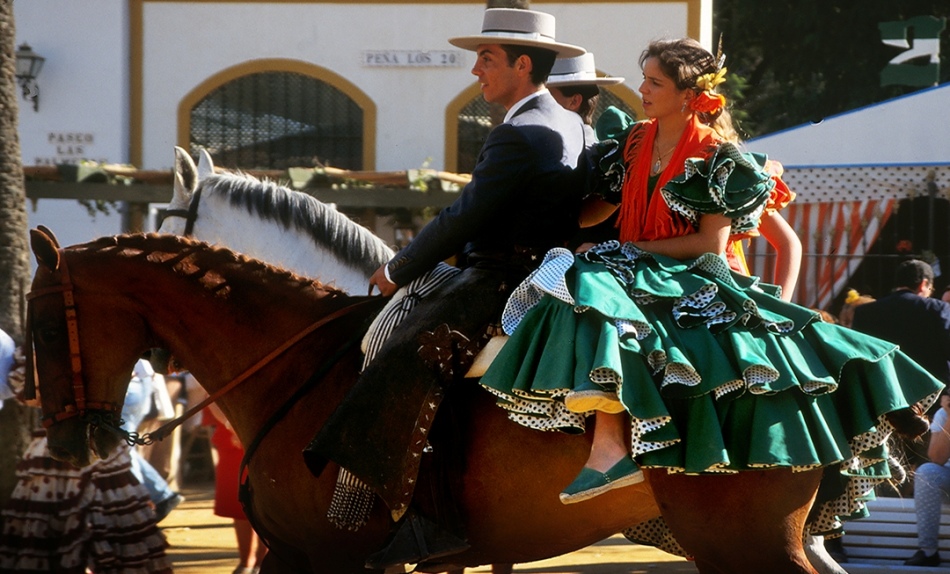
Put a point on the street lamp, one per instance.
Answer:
(28, 66)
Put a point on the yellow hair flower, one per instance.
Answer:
(708, 82)
(851, 297)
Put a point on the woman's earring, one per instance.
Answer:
(683, 109)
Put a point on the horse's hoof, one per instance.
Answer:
(908, 422)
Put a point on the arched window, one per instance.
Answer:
(275, 119)
(477, 117)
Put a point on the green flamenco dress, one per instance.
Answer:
(716, 372)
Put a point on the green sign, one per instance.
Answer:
(925, 43)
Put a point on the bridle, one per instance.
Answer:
(80, 406)
(190, 214)
(110, 420)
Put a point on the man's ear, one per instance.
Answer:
(524, 64)
(576, 101)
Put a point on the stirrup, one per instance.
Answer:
(417, 539)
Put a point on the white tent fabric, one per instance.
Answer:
(848, 172)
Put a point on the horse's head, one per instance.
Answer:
(186, 182)
(82, 373)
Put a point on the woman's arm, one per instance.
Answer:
(595, 211)
(938, 450)
(788, 251)
(711, 237)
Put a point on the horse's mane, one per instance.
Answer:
(189, 257)
(351, 243)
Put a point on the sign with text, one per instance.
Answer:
(69, 148)
(412, 58)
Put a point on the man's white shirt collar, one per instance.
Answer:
(523, 101)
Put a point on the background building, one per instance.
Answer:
(274, 84)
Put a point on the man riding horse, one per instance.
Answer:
(523, 200)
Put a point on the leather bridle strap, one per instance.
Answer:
(81, 405)
(164, 430)
(190, 214)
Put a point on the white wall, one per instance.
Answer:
(83, 104)
(186, 43)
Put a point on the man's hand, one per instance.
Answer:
(378, 280)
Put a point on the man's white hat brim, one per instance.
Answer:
(582, 79)
(473, 42)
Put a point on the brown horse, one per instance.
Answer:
(97, 307)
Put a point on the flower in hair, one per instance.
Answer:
(707, 102)
(708, 82)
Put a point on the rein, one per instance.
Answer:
(163, 431)
(190, 214)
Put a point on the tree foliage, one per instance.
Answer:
(791, 62)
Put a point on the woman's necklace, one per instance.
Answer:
(659, 159)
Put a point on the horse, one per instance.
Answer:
(241, 202)
(283, 346)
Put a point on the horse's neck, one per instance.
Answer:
(237, 229)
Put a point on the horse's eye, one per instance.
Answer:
(47, 335)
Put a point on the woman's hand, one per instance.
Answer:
(584, 247)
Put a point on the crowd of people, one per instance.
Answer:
(650, 325)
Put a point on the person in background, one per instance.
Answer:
(251, 550)
(932, 488)
(7, 352)
(138, 403)
(908, 316)
(574, 83)
(852, 301)
(66, 520)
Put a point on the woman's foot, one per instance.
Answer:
(590, 483)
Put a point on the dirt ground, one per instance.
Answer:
(202, 543)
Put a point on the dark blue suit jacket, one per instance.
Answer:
(920, 325)
(524, 192)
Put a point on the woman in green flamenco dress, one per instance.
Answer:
(705, 370)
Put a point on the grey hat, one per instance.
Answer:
(578, 71)
(520, 28)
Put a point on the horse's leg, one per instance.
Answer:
(750, 521)
(272, 564)
(819, 557)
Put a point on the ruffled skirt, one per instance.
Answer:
(64, 519)
(716, 373)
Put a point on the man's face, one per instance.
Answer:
(499, 80)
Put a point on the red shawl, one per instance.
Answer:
(643, 221)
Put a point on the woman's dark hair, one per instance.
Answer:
(542, 60)
(589, 94)
(684, 60)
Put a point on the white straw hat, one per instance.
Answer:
(578, 71)
(520, 28)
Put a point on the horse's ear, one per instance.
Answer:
(50, 233)
(45, 247)
(186, 175)
(205, 165)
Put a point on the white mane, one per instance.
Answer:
(270, 222)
